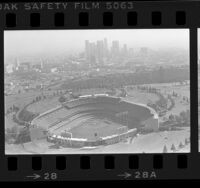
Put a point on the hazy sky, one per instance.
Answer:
(24, 43)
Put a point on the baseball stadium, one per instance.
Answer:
(93, 120)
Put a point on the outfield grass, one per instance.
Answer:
(88, 129)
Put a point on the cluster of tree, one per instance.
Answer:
(162, 102)
(26, 116)
(182, 119)
(38, 98)
(62, 99)
(173, 148)
(172, 102)
(59, 92)
(122, 92)
(23, 136)
(29, 75)
(148, 89)
(74, 96)
(11, 134)
(16, 135)
(160, 105)
(186, 99)
(174, 94)
(12, 109)
(16, 120)
(115, 80)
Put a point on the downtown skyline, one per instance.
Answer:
(71, 42)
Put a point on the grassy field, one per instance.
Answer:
(183, 90)
(9, 122)
(52, 102)
(141, 97)
(165, 88)
(148, 143)
(44, 105)
(88, 129)
(91, 91)
(23, 98)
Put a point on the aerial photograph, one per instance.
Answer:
(97, 91)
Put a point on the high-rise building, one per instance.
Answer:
(93, 49)
(115, 48)
(90, 51)
(124, 50)
(41, 63)
(144, 51)
(87, 46)
(100, 50)
(105, 47)
(130, 52)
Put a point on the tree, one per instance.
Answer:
(182, 115)
(178, 119)
(11, 134)
(180, 145)
(62, 99)
(173, 148)
(186, 141)
(17, 108)
(23, 136)
(165, 149)
(171, 117)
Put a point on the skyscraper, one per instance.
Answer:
(90, 51)
(87, 49)
(100, 50)
(115, 48)
(143, 51)
(106, 50)
(130, 52)
(124, 50)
